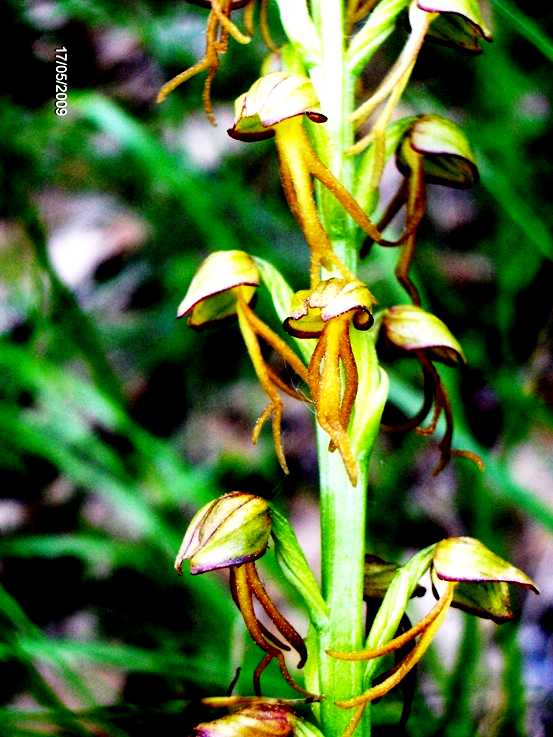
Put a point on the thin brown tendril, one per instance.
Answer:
(244, 593)
(264, 26)
(327, 178)
(282, 624)
(399, 672)
(272, 339)
(442, 403)
(397, 642)
(275, 407)
(266, 632)
(219, 28)
(415, 421)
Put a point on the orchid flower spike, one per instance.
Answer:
(465, 573)
(433, 150)
(219, 28)
(421, 334)
(276, 105)
(233, 532)
(328, 313)
(224, 286)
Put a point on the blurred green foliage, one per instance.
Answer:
(117, 422)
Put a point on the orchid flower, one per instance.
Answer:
(424, 336)
(433, 150)
(224, 286)
(233, 532)
(328, 313)
(276, 105)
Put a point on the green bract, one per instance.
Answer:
(460, 23)
(214, 289)
(378, 577)
(448, 157)
(483, 577)
(270, 100)
(413, 329)
(228, 531)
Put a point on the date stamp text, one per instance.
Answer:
(61, 82)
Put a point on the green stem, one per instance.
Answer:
(343, 506)
(336, 91)
(343, 520)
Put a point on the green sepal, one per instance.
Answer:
(303, 728)
(273, 98)
(228, 531)
(221, 278)
(447, 156)
(378, 577)
(459, 24)
(410, 328)
(467, 559)
(296, 569)
(483, 577)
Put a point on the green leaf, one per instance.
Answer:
(525, 27)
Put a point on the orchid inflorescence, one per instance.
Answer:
(326, 344)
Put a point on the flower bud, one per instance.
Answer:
(447, 156)
(311, 309)
(228, 531)
(273, 98)
(482, 575)
(221, 278)
(258, 720)
(412, 329)
(460, 23)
